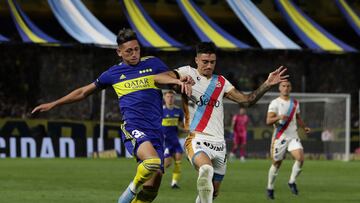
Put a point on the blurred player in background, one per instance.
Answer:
(204, 113)
(284, 115)
(173, 118)
(134, 81)
(239, 127)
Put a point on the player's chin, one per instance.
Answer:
(134, 61)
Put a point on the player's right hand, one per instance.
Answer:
(43, 107)
(186, 88)
(283, 117)
(187, 79)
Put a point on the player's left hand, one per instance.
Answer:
(277, 76)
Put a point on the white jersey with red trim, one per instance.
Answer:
(280, 106)
(205, 106)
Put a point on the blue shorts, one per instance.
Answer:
(172, 146)
(133, 137)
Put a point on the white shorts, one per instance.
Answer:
(281, 145)
(215, 150)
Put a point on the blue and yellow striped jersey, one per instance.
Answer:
(140, 100)
(170, 121)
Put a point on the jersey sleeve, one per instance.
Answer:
(184, 70)
(228, 86)
(104, 80)
(273, 107)
(160, 65)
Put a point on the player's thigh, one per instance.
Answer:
(236, 139)
(278, 149)
(197, 152)
(219, 164)
(146, 150)
(201, 158)
(296, 149)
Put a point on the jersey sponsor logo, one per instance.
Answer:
(129, 86)
(137, 83)
(214, 147)
(170, 122)
(207, 101)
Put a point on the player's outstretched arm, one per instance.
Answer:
(74, 96)
(171, 78)
(301, 123)
(247, 100)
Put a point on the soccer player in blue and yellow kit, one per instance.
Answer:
(173, 117)
(134, 81)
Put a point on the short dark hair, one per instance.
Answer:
(169, 92)
(125, 35)
(206, 48)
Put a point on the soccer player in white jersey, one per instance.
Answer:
(284, 115)
(204, 117)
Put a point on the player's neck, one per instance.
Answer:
(169, 106)
(285, 97)
(206, 76)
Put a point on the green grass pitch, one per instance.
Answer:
(102, 180)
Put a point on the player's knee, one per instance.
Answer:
(153, 164)
(204, 181)
(206, 171)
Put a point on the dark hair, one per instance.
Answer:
(169, 92)
(125, 35)
(206, 48)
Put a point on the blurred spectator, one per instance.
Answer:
(327, 136)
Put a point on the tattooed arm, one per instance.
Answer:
(247, 100)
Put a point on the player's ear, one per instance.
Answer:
(118, 52)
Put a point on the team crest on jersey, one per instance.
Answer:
(218, 84)
(198, 78)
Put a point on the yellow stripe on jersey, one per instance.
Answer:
(128, 136)
(144, 58)
(134, 85)
(170, 121)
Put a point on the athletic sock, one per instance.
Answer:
(176, 172)
(296, 169)
(204, 183)
(145, 171)
(273, 171)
